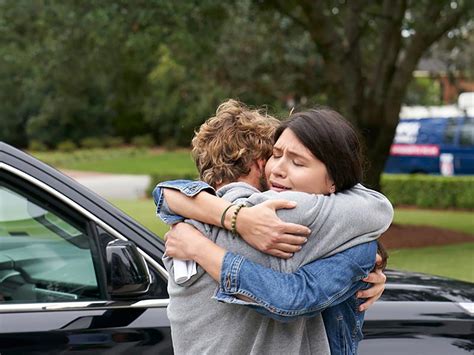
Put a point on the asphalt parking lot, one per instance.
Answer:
(112, 186)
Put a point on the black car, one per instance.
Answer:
(78, 275)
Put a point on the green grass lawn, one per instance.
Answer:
(456, 261)
(144, 212)
(122, 161)
(461, 221)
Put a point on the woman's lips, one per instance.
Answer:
(277, 187)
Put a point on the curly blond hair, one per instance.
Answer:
(226, 145)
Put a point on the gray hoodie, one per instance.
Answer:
(201, 325)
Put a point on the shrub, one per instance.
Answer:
(113, 142)
(38, 146)
(170, 144)
(429, 191)
(66, 146)
(144, 141)
(92, 142)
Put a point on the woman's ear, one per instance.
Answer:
(332, 189)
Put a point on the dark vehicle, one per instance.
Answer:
(433, 140)
(78, 275)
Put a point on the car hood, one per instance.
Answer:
(409, 286)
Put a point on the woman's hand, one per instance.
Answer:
(182, 241)
(377, 278)
(260, 227)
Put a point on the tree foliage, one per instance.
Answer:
(369, 51)
(76, 69)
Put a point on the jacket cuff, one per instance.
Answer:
(229, 278)
(187, 187)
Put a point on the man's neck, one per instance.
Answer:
(246, 179)
(254, 178)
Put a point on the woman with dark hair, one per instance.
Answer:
(332, 140)
(316, 152)
(335, 143)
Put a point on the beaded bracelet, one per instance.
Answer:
(233, 222)
(223, 215)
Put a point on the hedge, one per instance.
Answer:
(429, 191)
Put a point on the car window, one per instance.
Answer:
(467, 133)
(450, 132)
(45, 254)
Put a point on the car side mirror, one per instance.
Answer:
(127, 271)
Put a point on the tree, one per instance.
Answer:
(19, 97)
(369, 50)
(75, 69)
(182, 88)
(92, 70)
(456, 51)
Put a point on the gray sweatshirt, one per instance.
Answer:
(201, 325)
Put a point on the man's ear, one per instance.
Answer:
(261, 164)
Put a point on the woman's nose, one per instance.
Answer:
(279, 168)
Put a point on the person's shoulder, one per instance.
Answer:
(235, 191)
(361, 189)
(290, 195)
(298, 195)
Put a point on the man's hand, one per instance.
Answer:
(182, 241)
(378, 279)
(260, 227)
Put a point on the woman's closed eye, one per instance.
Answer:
(297, 163)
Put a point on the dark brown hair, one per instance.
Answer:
(384, 254)
(332, 140)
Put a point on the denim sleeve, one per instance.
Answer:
(306, 292)
(188, 187)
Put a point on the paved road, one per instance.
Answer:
(113, 186)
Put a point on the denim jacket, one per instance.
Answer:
(315, 287)
(188, 187)
(326, 285)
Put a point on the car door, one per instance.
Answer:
(53, 280)
(464, 154)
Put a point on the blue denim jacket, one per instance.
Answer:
(315, 287)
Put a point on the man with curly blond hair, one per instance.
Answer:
(227, 145)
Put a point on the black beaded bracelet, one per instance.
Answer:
(233, 222)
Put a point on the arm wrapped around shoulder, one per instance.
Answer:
(337, 221)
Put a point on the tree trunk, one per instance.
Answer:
(369, 91)
(377, 129)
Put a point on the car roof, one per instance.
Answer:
(83, 196)
(421, 112)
